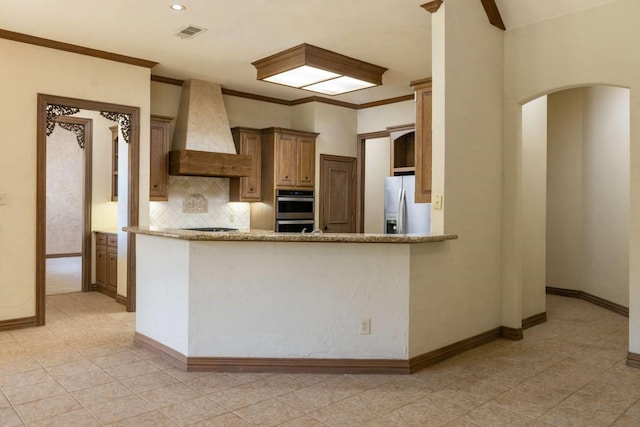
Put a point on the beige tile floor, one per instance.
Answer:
(82, 369)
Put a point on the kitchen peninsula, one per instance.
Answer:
(265, 301)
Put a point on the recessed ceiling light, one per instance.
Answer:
(178, 7)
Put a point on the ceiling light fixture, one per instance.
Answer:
(318, 70)
(178, 7)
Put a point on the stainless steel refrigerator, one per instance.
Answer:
(402, 215)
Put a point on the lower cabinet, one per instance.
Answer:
(107, 263)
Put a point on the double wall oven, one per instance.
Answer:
(294, 210)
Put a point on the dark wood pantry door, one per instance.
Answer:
(337, 194)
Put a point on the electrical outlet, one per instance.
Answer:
(3, 199)
(232, 217)
(365, 326)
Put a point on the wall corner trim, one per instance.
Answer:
(11, 324)
(513, 334)
(633, 360)
(491, 8)
(432, 6)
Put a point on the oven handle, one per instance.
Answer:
(294, 199)
(299, 221)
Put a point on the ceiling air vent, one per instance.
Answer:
(190, 31)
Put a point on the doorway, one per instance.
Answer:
(68, 197)
(51, 107)
(575, 181)
(338, 194)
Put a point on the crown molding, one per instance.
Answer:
(255, 97)
(167, 80)
(67, 47)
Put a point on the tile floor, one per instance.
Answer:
(82, 369)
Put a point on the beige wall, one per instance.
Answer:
(564, 189)
(65, 185)
(582, 49)
(588, 192)
(66, 74)
(468, 172)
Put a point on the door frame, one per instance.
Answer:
(133, 196)
(86, 196)
(354, 160)
(360, 171)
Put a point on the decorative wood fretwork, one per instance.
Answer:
(76, 128)
(53, 111)
(123, 120)
(432, 6)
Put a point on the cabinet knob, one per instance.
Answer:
(286, 177)
(326, 228)
(306, 177)
(251, 189)
(155, 185)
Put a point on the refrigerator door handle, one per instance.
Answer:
(402, 212)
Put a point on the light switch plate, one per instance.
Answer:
(3, 199)
(437, 201)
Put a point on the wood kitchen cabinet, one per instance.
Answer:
(289, 163)
(247, 189)
(293, 154)
(423, 147)
(107, 263)
(403, 157)
(159, 159)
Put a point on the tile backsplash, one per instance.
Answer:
(199, 202)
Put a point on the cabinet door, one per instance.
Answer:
(423, 145)
(306, 161)
(250, 185)
(159, 166)
(112, 270)
(101, 267)
(286, 160)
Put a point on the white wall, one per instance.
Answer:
(66, 74)
(565, 189)
(606, 193)
(588, 185)
(256, 114)
(534, 147)
(581, 49)
(375, 119)
(376, 168)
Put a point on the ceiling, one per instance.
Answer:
(395, 34)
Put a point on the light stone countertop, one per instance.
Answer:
(106, 230)
(271, 236)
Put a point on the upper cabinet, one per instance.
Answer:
(159, 160)
(423, 151)
(293, 154)
(403, 151)
(247, 189)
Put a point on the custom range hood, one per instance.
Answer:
(202, 142)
